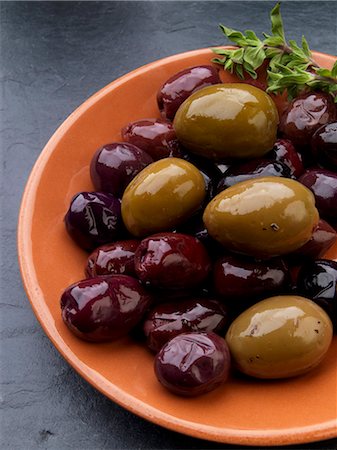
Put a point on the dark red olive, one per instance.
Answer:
(324, 145)
(113, 259)
(155, 136)
(94, 219)
(192, 364)
(304, 115)
(168, 320)
(243, 281)
(317, 280)
(323, 183)
(323, 237)
(181, 85)
(172, 261)
(285, 152)
(104, 308)
(114, 165)
(255, 168)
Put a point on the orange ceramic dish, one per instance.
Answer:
(246, 412)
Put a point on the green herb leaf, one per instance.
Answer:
(276, 22)
(334, 71)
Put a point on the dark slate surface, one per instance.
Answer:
(54, 55)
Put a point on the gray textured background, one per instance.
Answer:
(54, 55)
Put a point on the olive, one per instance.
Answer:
(114, 165)
(317, 280)
(255, 168)
(181, 85)
(168, 320)
(155, 136)
(94, 219)
(162, 196)
(172, 261)
(227, 121)
(304, 115)
(323, 237)
(280, 337)
(323, 183)
(192, 364)
(285, 152)
(262, 217)
(104, 308)
(113, 259)
(324, 145)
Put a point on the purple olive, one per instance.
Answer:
(181, 85)
(172, 261)
(113, 259)
(168, 320)
(323, 237)
(104, 308)
(155, 136)
(255, 168)
(317, 280)
(94, 219)
(324, 145)
(285, 152)
(304, 115)
(192, 364)
(323, 183)
(114, 165)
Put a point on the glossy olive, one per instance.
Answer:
(162, 196)
(166, 321)
(280, 337)
(155, 136)
(255, 168)
(104, 308)
(192, 364)
(262, 217)
(323, 183)
(227, 121)
(324, 145)
(285, 152)
(94, 219)
(181, 85)
(304, 115)
(113, 259)
(172, 261)
(318, 280)
(114, 165)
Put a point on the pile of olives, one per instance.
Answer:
(207, 231)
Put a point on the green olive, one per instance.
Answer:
(280, 337)
(262, 217)
(162, 196)
(233, 120)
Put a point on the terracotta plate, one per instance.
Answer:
(241, 412)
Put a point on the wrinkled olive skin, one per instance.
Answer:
(113, 259)
(280, 337)
(233, 120)
(181, 85)
(323, 237)
(155, 136)
(166, 321)
(317, 280)
(114, 165)
(285, 152)
(324, 145)
(192, 364)
(162, 196)
(104, 308)
(94, 219)
(304, 115)
(172, 261)
(323, 184)
(241, 281)
(262, 217)
(256, 168)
